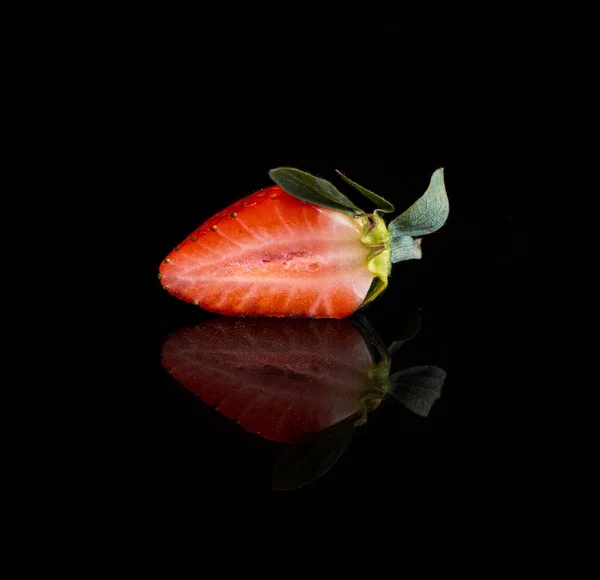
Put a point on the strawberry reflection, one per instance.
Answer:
(308, 382)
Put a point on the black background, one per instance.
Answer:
(201, 121)
(468, 285)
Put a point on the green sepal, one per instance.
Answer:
(368, 332)
(428, 214)
(312, 458)
(313, 190)
(377, 287)
(418, 388)
(405, 248)
(382, 204)
(379, 373)
(376, 237)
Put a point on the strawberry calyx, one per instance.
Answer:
(387, 244)
(378, 373)
(376, 237)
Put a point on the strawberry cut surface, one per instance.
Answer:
(281, 379)
(272, 254)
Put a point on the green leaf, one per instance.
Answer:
(312, 189)
(313, 458)
(418, 388)
(405, 248)
(382, 204)
(428, 214)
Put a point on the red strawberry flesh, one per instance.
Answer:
(272, 254)
(282, 379)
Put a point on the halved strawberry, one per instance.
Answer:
(286, 379)
(282, 379)
(299, 248)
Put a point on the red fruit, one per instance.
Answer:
(279, 254)
(272, 254)
(282, 379)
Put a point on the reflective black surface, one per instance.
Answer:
(303, 383)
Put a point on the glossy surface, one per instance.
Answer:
(305, 382)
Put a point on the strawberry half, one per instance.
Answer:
(299, 248)
(282, 379)
(286, 379)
